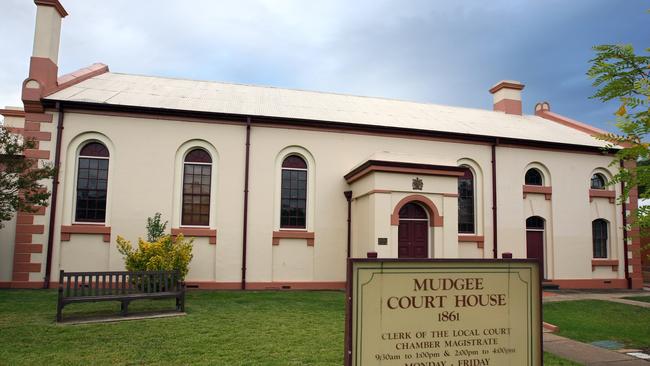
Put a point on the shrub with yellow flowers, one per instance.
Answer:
(164, 254)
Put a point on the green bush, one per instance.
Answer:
(155, 227)
(163, 254)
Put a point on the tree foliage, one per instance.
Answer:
(21, 186)
(623, 76)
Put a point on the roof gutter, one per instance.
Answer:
(55, 191)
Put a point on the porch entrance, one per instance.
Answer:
(413, 232)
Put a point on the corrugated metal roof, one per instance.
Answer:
(206, 96)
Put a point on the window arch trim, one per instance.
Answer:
(435, 219)
(293, 193)
(307, 157)
(608, 192)
(182, 153)
(71, 174)
(91, 183)
(534, 177)
(545, 188)
(196, 188)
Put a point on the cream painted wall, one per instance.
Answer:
(335, 154)
(569, 213)
(143, 175)
(7, 238)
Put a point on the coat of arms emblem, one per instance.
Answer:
(417, 184)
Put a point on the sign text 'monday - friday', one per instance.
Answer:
(440, 301)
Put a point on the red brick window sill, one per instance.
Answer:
(196, 232)
(478, 239)
(291, 234)
(604, 263)
(546, 191)
(89, 229)
(602, 193)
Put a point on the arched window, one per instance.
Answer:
(293, 210)
(535, 223)
(534, 177)
(92, 183)
(466, 203)
(598, 181)
(600, 231)
(197, 175)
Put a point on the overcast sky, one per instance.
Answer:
(443, 52)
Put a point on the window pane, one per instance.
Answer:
(535, 222)
(198, 156)
(295, 162)
(466, 203)
(94, 149)
(598, 181)
(533, 177)
(91, 188)
(196, 192)
(293, 196)
(600, 237)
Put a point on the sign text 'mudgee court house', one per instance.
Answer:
(443, 313)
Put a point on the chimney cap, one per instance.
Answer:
(55, 4)
(506, 84)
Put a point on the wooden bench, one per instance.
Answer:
(77, 287)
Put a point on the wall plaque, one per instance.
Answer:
(443, 312)
(382, 241)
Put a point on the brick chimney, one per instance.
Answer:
(507, 96)
(43, 66)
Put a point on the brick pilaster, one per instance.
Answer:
(633, 246)
(30, 225)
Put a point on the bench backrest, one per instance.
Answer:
(76, 284)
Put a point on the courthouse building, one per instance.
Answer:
(278, 187)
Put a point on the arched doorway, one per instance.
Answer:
(413, 232)
(535, 227)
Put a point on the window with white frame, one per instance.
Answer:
(600, 237)
(197, 181)
(92, 183)
(293, 194)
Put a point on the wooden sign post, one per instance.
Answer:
(443, 312)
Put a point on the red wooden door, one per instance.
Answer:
(413, 232)
(535, 246)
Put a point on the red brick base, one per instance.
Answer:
(615, 283)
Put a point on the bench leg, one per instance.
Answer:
(124, 309)
(59, 310)
(180, 303)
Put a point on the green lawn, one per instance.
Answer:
(551, 359)
(638, 298)
(595, 320)
(222, 328)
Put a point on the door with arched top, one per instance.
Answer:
(535, 226)
(413, 232)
